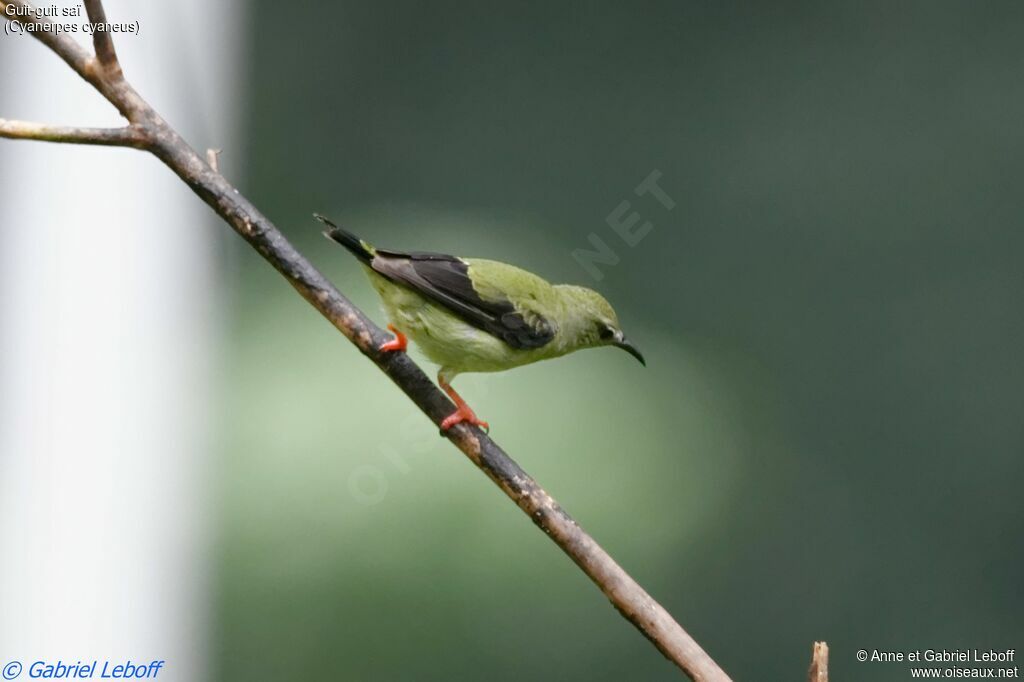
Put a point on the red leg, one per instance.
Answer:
(397, 343)
(462, 413)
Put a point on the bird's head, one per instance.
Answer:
(593, 322)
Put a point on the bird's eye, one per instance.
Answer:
(606, 333)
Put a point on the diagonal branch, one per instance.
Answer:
(164, 142)
(129, 136)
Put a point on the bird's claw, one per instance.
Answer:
(464, 415)
(398, 343)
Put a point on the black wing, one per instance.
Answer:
(445, 280)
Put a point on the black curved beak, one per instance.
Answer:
(625, 345)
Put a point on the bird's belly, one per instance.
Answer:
(464, 348)
(445, 338)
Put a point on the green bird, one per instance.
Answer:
(475, 315)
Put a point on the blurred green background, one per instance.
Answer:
(827, 440)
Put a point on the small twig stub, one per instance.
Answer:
(213, 158)
(818, 671)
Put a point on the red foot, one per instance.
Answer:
(463, 413)
(397, 343)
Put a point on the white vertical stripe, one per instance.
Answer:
(108, 309)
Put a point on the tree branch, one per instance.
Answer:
(116, 90)
(129, 136)
(101, 39)
(625, 594)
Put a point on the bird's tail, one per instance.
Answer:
(357, 246)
